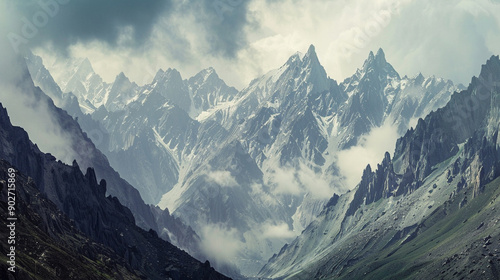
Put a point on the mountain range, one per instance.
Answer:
(266, 182)
(255, 166)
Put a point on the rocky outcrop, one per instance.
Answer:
(437, 138)
(464, 118)
(49, 245)
(376, 185)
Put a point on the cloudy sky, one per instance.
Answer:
(243, 39)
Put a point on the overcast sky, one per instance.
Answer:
(243, 39)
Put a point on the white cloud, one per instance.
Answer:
(220, 243)
(314, 183)
(24, 109)
(370, 150)
(299, 181)
(277, 231)
(450, 39)
(283, 181)
(222, 178)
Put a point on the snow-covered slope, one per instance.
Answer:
(80, 79)
(208, 91)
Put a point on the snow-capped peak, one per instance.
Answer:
(379, 64)
(168, 75)
(205, 75)
(85, 68)
(121, 76)
(121, 79)
(380, 55)
(419, 79)
(312, 72)
(311, 55)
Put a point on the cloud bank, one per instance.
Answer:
(299, 181)
(243, 39)
(277, 231)
(220, 243)
(222, 178)
(370, 150)
(24, 107)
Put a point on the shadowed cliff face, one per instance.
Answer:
(470, 116)
(49, 245)
(81, 200)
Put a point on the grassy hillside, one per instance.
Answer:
(452, 243)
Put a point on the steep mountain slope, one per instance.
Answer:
(378, 95)
(79, 78)
(406, 217)
(229, 186)
(208, 91)
(167, 142)
(102, 219)
(455, 241)
(44, 79)
(157, 171)
(43, 230)
(80, 147)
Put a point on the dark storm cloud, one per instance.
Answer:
(224, 21)
(65, 22)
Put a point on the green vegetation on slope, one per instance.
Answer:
(452, 243)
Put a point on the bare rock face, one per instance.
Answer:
(436, 138)
(481, 163)
(375, 185)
